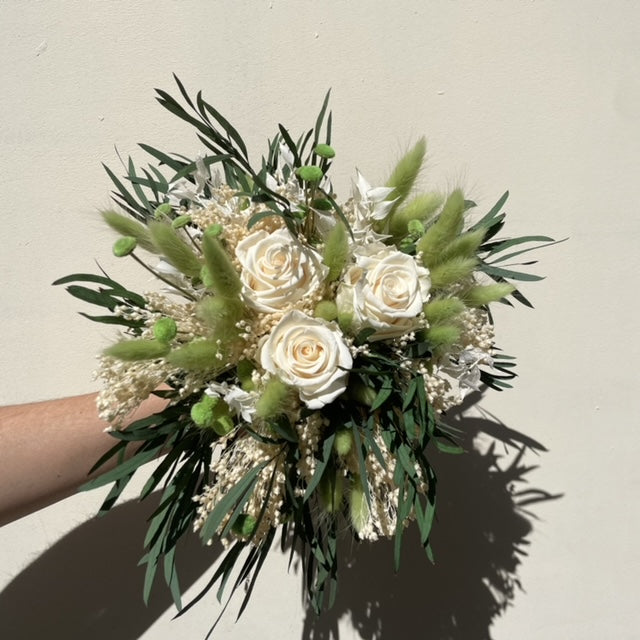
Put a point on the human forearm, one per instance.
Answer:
(47, 449)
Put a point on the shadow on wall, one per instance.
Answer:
(88, 585)
(478, 540)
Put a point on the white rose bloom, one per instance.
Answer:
(309, 355)
(385, 289)
(277, 269)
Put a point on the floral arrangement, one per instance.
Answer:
(308, 348)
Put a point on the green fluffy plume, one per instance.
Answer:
(273, 399)
(405, 173)
(244, 370)
(464, 246)
(451, 271)
(331, 489)
(444, 230)
(343, 444)
(481, 295)
(443, 335)
(327, 310)
(443, 309)
(199, 355)
(140, 349)
(358, 507)
(224, 279)
(174, 249)
(361, 393)
(345, 320)
(126, 226)
(336, 250)
(221, 316)
(421, 208)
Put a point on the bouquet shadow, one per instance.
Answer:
(479, 538)
(87, 585)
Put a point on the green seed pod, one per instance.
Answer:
(327, 310)
(223, 425)
(343, 442)
(202, 412)
(181, 221)
(214, 230)
(358, 507)
(324, 151)
(310, 173)
(162, 211)
(244, 525)
(321, 204)
(137, 349)
(165, 329)
(415, 227)
(301, 213)
(124, 246)
(244, 370)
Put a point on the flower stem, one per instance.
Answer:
(185, 293)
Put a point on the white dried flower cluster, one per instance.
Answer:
(126, 385)
(189, 326)
(448, 381)
(309, 432)
(440, 393)
(477, 330)
(233, 212)
(233, 464)
(384, 508)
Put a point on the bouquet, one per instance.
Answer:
(308, 347)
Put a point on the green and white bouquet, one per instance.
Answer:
(308, 347)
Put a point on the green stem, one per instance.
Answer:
(185, 293)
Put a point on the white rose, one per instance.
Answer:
(309, 355)
(277, 270)
(385, 289)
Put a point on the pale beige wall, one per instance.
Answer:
(541, 97)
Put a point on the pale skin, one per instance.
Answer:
(47, 449)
